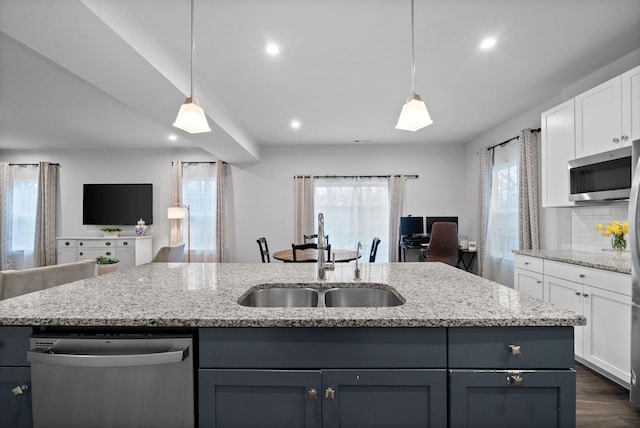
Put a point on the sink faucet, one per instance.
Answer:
(356, 274)
(323, 266)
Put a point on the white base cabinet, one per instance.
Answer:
(603, 297)
(131, 251)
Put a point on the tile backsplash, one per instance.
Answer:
(584, 236)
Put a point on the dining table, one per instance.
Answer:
(311, 255)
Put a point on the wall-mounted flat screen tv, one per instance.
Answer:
(117, 204)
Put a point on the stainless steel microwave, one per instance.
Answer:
(601, 177)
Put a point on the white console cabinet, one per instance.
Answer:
(131, 251)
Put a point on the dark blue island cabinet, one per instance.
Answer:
(15, 377)
(387, 377)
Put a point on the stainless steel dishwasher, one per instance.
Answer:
(112, 381)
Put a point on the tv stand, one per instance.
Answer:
(130, 250)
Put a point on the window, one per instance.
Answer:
(24, 203)
(199, 193)
(355, 209)
(502, 234)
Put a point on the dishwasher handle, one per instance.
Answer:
(43, 356)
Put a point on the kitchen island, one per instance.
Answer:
(460, 350)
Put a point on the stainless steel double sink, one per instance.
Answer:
(365, 295)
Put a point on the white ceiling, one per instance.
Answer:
(96, 73)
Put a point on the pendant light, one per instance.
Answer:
(191, 117)
(414, 114)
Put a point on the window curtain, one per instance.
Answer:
(503, 221)
(485, 163)
(221, 212)
(303, 208)
(24, 205)
(6, 215)
(176, 200)
(199, 193)
(45, 236)
(355, 209)
(528, 193)
(396, 208)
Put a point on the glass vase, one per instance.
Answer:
(619, 244)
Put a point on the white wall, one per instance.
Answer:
(260, 196)
(110, 166)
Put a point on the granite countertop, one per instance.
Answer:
(206, 295)
(605, 260)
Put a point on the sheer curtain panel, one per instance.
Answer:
(485, 162)
(176, 200)
(303, 200)
(396, 205)
(199, 193)
(45, 230)
(6, 215)
(528, 194)
(221, 211)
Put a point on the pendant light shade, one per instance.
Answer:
(414, 114)
(191, 117)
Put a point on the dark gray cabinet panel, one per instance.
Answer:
(259, 398)
(539, 347)
(14, 344)
(321, 348)
(544, 398)
(15, 411)
(382, 399)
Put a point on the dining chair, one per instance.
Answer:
(374, 249)
(443, 246)
(311, 239)
(299, 247)
(264, 250)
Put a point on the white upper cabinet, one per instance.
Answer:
(631, 103)
(599, 119)
(558, 148)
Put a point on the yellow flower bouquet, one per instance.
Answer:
(617, 231)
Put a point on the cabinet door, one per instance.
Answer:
(607, 341)
(15, 410)
(497, 399)
(631, 105)
(558, 148)
(599, 118)
(67, 255)
(259, 398)
(127, 257)
(568, 295)
(384, 398)
(529, 282)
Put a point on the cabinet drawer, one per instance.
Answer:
(97, 243)
(14, 344)
(126, 243)
(607, 280)
(66, 243)
(294, 348)
(534, 264)
(92, 253)
(490, 347)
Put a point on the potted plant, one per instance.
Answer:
(106, 264)
(110, 231)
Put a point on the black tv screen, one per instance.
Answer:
(117, 204)
(410, 226)
(431, 220)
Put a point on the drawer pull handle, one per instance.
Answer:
(20, 389)
(538, 282)
(81, 253)
(107, 243)
(67, 243)
(330, 393)
(582, 275)
(515, 380)
(578, 293)
(616, 140)
(312, 394)
(81, 244)
(586, 295)
(526, 263)
(108, 253)
(515, 349)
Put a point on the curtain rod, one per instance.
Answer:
(31, 164)
(509, 140)
(355, 176)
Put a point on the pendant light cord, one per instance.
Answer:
(413, 61)
(193, 48)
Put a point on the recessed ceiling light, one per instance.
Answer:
(173, 137)
(488, 43)
(273, 49)
(295, 124)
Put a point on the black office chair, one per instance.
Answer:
(374, 249)
(296, 247)
(264, 250)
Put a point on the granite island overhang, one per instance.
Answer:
(206, 295)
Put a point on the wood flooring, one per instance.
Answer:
(601, 403)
